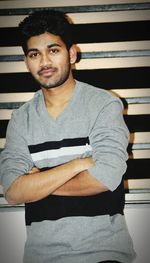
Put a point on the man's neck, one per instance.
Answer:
(56, 99)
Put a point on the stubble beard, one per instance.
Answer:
(50, 83)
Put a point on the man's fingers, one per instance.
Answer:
(33, 170)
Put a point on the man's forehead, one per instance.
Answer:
(44, 40)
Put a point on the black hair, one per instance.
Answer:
(39, 22)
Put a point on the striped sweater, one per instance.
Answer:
(68, 229)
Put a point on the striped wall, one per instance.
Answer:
(113, 40)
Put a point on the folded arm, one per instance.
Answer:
(82, 184)
(37, 185)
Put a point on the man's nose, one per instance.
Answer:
(45, 60)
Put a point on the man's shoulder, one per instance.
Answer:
(28, 106)
(94, 93)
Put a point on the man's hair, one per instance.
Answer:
(39, 22)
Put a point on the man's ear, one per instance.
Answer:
(73, 54)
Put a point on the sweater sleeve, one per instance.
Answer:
(15, 159)
(109, 140)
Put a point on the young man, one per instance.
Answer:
(65, 156)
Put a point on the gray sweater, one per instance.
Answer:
(72, 229)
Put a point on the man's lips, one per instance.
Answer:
(47, 72)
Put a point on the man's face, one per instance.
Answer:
(48, 60)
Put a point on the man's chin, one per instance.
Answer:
(48, 87)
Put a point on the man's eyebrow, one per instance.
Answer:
(54, 45)
(49, 46)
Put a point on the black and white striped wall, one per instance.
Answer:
(113, 37)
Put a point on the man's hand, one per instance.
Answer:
(34, 170)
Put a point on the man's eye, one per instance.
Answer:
(54, 51)
(33, 55)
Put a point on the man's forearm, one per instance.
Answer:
(82, 184)
(38, 185)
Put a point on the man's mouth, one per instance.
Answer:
(47, 72)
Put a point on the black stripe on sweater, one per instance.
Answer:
(55, 207)
(52, 145)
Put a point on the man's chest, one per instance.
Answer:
(53, 143)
